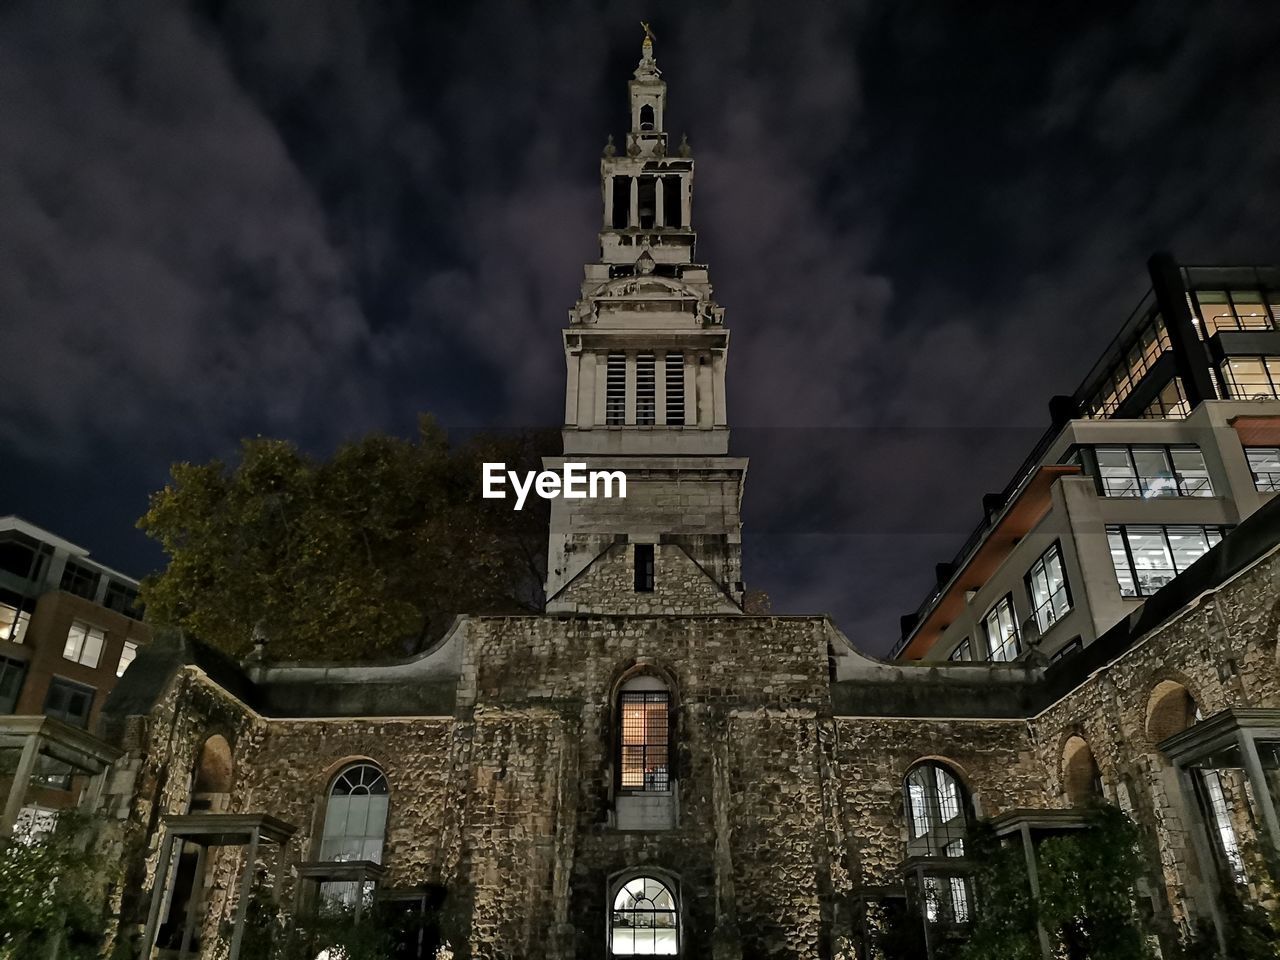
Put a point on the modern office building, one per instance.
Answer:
(1172, 439)
(69, 628)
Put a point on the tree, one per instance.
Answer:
(372, 552)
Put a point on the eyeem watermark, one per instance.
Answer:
(575, 483)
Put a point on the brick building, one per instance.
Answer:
(647, 770)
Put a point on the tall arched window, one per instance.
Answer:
(355, 816)
(1081, 779)
(937, 811)
(645, 920)
(644, 736)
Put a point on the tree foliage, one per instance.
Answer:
(45, 888)
(373, 551)
(1086, 904)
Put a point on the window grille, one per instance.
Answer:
(355, 820)
(1218, 812)
(645, 920)
(646, 387)
(675, 389)
(937, 812)
(1265, 464)
(645, 741)
(615, 391)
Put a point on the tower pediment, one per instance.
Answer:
(629, 301)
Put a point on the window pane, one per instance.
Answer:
(1192, 474)
(11, 675)
(1188, 544)
(128, 654)
(1116, 471)
(92, 647)
(1247, 378)
(75, 641)
(1265, 464)
(1215, 310)
(1155, 476)
(1151, 560)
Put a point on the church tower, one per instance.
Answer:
(646, 349)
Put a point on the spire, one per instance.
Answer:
(648, 93)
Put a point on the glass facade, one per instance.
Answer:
(1264, 462)
(1146, 557)
(1002, 631)
(1047, 588)
(1252, 378)
(1150, 342)
(1152, 471)
(1217, 310)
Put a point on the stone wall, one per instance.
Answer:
(785, 810)
(680, 586)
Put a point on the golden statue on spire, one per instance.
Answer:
(648, 32)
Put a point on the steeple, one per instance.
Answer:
(648, 95)
(646, 351)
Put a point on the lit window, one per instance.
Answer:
(644, 920)
(1002, 631)
(1232, 310)
(963, 651)
(1265, 464)
(675, 389)
(946, 899)
(645, 741)
(937, 812)
(355, 826)
(646, 385)
(128, 654)
(13, 623)
(1152, 472)
(1223, 831)
(1147, 557)
(615, 389)
(1047, 587)
(84, 644)
(1169, 404)
(11, 675)
(1252, 378)
(69, 702)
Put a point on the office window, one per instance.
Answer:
(80, 580)
(646, 386)
(644, 567)
(615, 389)
(1170, 403)
(13, 623)
(1232, 310)
(1265, 464)
(69, 702)
(128, 654)
(1147, 557)
(1002, 631)
(84, 644)
(1152, 471)
(644, 740)
(675, 389)
(1252, 378)
(12, 673)
(1047, 588)
(963, 651)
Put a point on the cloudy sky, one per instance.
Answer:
(314, 219)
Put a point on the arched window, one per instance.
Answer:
(355, 816)
(644, 736)
(645, 920)
(646, 117)
(937, 812)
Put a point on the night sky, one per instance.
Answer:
(315, 219)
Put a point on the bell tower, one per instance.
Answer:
(645, 351)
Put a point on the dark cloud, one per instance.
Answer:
(314, 219)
